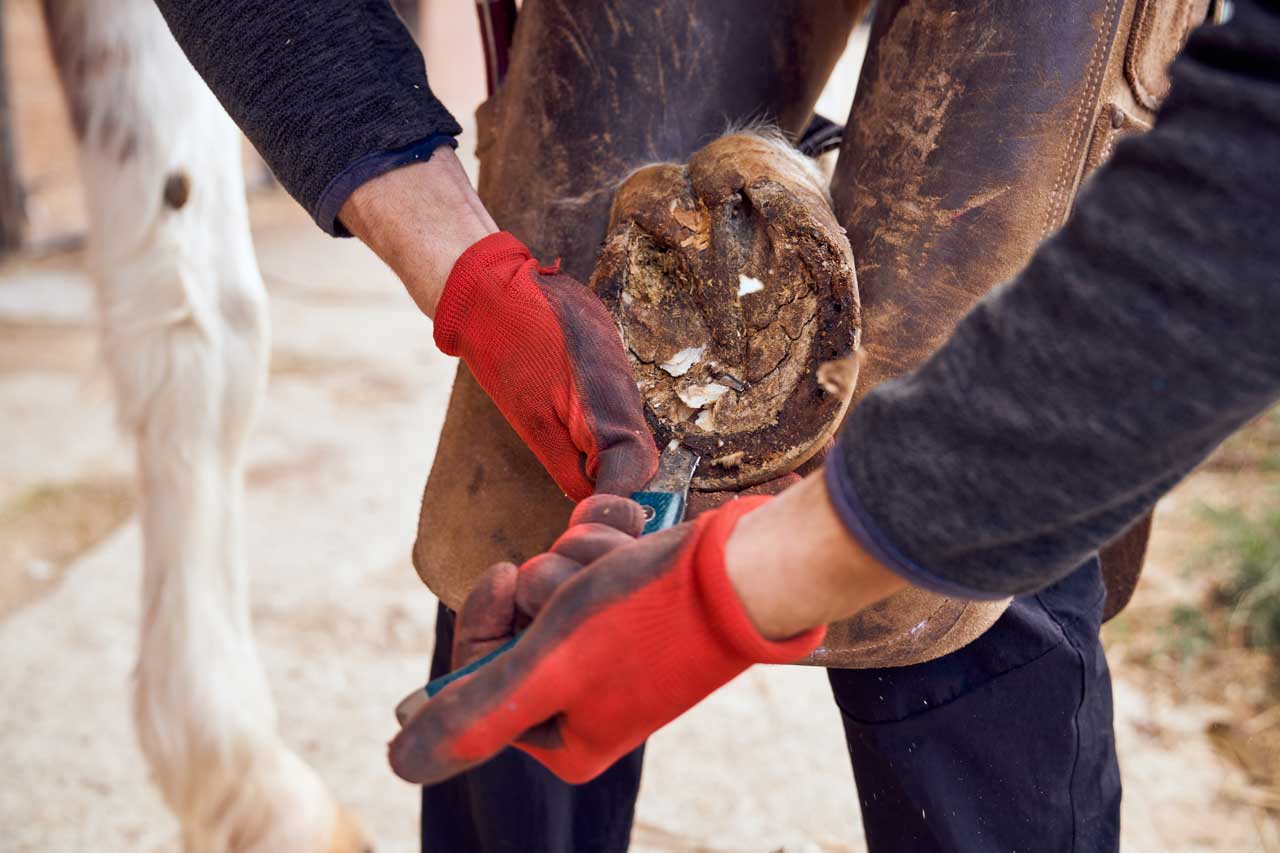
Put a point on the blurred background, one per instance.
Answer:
(337, 463)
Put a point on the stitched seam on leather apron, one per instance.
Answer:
(1070, 162)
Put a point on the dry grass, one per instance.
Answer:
(1209, 631)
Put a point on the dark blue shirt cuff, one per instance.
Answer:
(860, 524)
(366, 169)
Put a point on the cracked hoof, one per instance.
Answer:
(733, 284)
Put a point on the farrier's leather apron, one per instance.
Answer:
(974, 123)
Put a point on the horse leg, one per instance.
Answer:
(185, 335)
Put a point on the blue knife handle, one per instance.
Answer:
(434, 687)
(662, 510)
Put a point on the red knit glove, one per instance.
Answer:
(549, 355)
(623, 647)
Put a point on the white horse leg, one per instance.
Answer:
(185, 333)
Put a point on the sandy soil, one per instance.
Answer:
(356, 397)
(337, 463)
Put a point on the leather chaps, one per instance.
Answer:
(973, 125)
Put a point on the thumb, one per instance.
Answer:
(476, 717)
(625, 465)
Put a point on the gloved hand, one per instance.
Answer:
(549, 355)
(506, 599)
(615, 650)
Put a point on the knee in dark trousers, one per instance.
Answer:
(1004, 745)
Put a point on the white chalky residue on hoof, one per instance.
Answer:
(680, 363)
(701, 396)
(747, 284)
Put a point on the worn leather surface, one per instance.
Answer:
(973, 126)
(1154, 31)
(1125, 556)
(596, 89)
(969, 136)
(1159, 30)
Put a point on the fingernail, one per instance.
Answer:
(409, 706)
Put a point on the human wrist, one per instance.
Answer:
(724, 609)
(490, 262)
(795, 566)
(419, 219)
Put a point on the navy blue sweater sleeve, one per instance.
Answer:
(1136, 340)
(331, 92)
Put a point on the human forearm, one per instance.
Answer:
(540, 343)
(330, 92)
(419, 219)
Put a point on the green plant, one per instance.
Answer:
(1189, 635)
(1249, 543)
(1268, 431)
(1255, 447)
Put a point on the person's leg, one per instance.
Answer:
(512, 803)
(1006, 744)
(595, 90)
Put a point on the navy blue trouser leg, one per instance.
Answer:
(512, 804)
(1005, 745)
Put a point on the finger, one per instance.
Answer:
(560, 458)
(610, 427)
(625, 464)
(487, 618)
(586, 543)
(700, 502)
(539, 579)
(618, 512)
(474, 718)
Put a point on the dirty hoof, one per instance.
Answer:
(733, 285)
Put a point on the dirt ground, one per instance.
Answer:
(337, 462)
